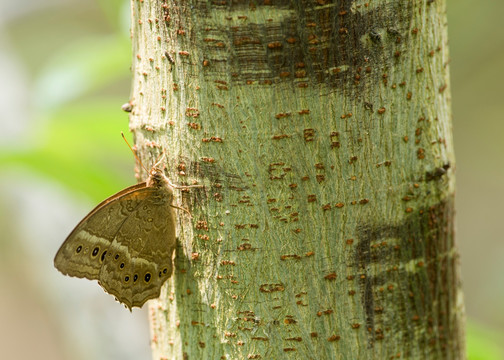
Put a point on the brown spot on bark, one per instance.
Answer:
(333, 338)
(331, 276)
(269, 288)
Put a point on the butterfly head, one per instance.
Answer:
(157, 179)
(156, 172)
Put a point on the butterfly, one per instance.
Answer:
(127, 241)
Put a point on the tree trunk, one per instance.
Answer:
(322, 133)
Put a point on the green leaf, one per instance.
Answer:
(83, 66)
(483, 343)
(81, 147)
(118, 13)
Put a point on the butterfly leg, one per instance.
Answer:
(179, 208)
(183, 187)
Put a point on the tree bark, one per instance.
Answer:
(322, 133)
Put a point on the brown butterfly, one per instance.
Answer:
(127, 241)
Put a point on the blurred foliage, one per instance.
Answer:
(80, 147)
(79, 79)
(483, 343)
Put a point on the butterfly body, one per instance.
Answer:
(126, 242)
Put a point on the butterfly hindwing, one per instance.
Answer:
(139, 259)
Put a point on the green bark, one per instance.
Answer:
(322, 133)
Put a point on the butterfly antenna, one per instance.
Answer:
(134, 153)
(160, 159)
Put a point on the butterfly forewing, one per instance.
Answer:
(81, 253)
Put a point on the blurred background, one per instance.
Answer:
(64, 70)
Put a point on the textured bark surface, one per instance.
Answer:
(322, 133)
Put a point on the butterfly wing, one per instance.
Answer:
(126, 243)
(139, 259)
(83, 251)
